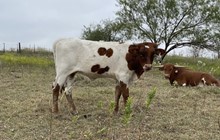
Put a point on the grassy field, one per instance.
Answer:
(174, 112)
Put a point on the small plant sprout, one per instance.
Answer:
(100, 104)
(75, 118)
(112, 106)
(101, 131)
(128, 111)
(128, 106)
(150, 97)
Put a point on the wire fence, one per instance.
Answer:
(19, 47)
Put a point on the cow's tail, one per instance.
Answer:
(54, 51)
(55, 46)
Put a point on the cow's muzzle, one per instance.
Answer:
(147, 67)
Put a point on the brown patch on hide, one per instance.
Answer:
(109, 52)
(103, 70)
(98, 69)
(95, 68)
(102, 51)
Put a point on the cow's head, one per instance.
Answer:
(170, 69)
(140, 56)
(167, 69)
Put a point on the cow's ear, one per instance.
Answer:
(160, 52)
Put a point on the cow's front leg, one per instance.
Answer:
(125, 95)
(125, 92)
(68, 93)
(56, 90)
(120, 89)
(117, 97)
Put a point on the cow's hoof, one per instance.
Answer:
(115, 113)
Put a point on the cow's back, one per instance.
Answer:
(189, 77)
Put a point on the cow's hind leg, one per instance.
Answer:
(68, 93)
(71, 104)
(56, 90)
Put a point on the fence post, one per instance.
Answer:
(3, 47)
(19, 47)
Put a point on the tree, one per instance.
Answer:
(107, 30)
(176, 23)
(215, 43)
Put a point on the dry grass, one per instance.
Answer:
(175, 113)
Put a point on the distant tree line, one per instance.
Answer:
(193, 23)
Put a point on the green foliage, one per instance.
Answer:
(170, 21)
(14, 59)
(106, 31)
(150, 97)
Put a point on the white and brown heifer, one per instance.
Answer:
(187, 77)
(123, 62)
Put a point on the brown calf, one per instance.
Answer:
(187, 77)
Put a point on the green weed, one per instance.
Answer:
(112, 106)
(75, 118)
(150, 97)
(128, 112)
(101, 131)
(100, 104)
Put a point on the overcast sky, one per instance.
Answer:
(45, 21)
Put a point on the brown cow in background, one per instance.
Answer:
(187, 77)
